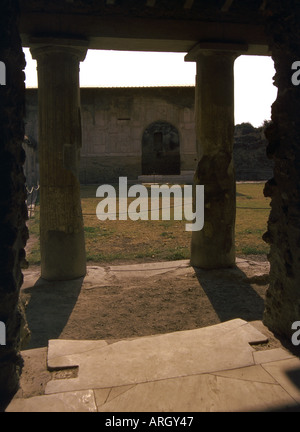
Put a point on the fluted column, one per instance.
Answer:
(61, 224)
(214, 245)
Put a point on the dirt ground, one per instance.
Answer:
(117, 308)
(103, 306)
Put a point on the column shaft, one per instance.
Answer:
(214, 245)
(61, 224)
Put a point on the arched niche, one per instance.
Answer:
(161, 149)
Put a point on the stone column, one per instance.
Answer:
(214, 245)
(61, 224)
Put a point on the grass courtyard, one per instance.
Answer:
(146, 240)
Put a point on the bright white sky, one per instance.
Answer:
(254, 90)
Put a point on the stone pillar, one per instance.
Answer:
(13, 210)
(282, 304)
(214, 245)
(61, 224)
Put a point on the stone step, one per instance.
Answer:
(105, 365)
(214, 368)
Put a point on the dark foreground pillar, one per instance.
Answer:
(282, 305)
(13, 212)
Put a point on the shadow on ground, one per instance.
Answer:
(49, 308)
(231, 293)
(142, 304)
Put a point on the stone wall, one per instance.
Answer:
(113, 124)
(115, 119)
(283, 235)
(13, 212)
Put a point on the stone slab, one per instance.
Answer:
(287, 374)
(98, 276)
(114, 275)
(271, 355)
(146, 270)
(80, 401)
(252, 373)
(103, 396)
(200, 393)
(58, 348)
(220, 347)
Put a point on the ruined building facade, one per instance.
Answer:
(131, 132)
(152, 129)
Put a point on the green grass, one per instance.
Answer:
(34, 257)
(252, 215)
(111, 241)
(252, 250)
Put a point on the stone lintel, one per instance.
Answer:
(208, 48)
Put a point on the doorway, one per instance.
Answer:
(161, 150)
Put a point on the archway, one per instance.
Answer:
(161, 149)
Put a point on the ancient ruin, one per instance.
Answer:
(120, 122)
(213, 34)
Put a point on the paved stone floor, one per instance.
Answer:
(209, 369)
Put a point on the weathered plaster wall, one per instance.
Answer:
(283, 235)
(114, 120)
(113, 123)
(13, 212)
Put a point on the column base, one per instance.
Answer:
(209, 256)
(64, 257)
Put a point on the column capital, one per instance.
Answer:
(43, 46)
(215, 48)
